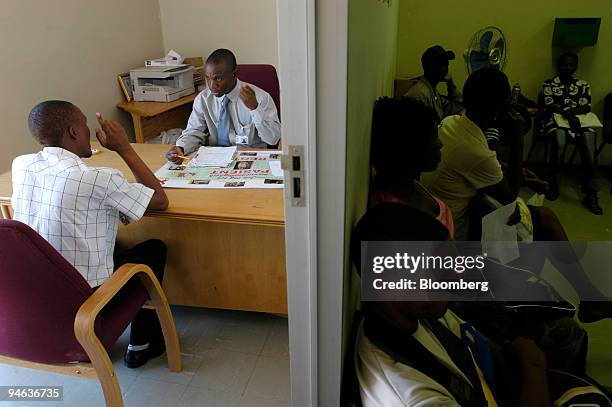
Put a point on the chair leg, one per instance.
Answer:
(160, 303)
(104, 369)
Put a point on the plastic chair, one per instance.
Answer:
(607, 124)
(263, 76)
(40, 292)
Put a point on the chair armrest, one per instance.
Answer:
(89, 310)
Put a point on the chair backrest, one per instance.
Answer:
(607, 119)
(263, 76)
(40, 294)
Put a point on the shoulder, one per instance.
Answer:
(23, 161)
(103, 177)
(385, 382)
(419, 89)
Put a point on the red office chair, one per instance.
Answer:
(50, 316)
(265, 77)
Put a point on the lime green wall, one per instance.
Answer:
(528, 26)
(372, 45)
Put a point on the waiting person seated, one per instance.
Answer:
(413, 125)
(435, 61)
(412, 353)
(468, 167)
(228, 112)
(569, 97)
(76, 208)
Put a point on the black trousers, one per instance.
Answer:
(585, 143)
(145, 326)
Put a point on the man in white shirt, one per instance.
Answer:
(468, 166)
(228, 112)
(76, 208)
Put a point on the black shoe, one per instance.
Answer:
(553, 192)
(593, 311)
(592, 203)
(137, 358)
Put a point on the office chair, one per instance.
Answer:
(263, 76)
(51, 319)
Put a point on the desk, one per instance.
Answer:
(226, 248)
(151, 118)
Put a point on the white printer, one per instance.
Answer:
(162, 83)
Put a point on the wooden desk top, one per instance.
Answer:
(150, 109)
(246, 206)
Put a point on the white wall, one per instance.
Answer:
(247, 27)
(70, 50)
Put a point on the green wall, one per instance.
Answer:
(528, 27)
(372, 46)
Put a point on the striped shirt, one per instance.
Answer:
(76, 208)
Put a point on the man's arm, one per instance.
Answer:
(263, 113)
(113, 137)
(506, 191)
(194, 135)
(453, 103)
(534, 381)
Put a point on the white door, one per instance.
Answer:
(313, 63)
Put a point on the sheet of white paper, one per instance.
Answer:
(214, 156)
(536, 200)
(499, 239)
(586, 120)
(275, 168)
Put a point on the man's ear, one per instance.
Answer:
(72, 133)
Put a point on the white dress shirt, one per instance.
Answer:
(75, 207)
(254, 128)
(385, 382)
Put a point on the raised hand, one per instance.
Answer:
(247, 95)
(112, 135)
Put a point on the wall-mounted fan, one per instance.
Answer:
(487, 48)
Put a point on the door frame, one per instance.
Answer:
(313, 60)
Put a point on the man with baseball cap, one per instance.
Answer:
(435, 70)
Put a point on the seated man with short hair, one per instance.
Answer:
(76, 208)
(228, 112)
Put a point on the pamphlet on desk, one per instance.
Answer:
(225, 168)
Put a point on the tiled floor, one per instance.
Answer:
(580, 224)
(230, 358)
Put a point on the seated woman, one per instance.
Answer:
(568, 97)
(399, 159)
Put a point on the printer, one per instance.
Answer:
(162, 83)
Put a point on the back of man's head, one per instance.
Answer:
(220, 56)
(49, 120)
(401, 130)
(392, 221)
(485, 89)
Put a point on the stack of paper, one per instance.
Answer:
(586, 120)
(214, 156)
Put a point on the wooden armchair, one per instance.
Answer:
(51, 319)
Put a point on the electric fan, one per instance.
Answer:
(487, 49)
